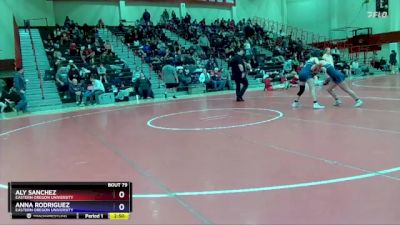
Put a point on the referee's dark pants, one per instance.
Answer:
(241, 90)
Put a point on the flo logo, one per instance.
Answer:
(375, 14)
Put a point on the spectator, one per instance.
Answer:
(144, 85)
(67, 22)
(216, 79)
(183, 79)
(282, 33)
(205, 77)
(15, 98)
(57, 54)
(73, 49)
(225, 75)
(101, 71)
(170, 78)
(355, 67)
(336, 54)
(108, 51)
(146, 17)
(3, 85)
(247, 49)
(164, 17)
(393, 61)
(93, 92)
(173, 15)
(382, 65)
(288, 66)
(75, 88)
(278, 54)
(187, 18)
(19, 83)
(254, 62)
(73, 73)
(204, 43)
(328, 56)
(19, 86)
(62, 81)
(70, 65)
(136, 74)
(100, 24)
(87, 55)
(57, 33)
(3, 102)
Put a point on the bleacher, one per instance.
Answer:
(115, 76)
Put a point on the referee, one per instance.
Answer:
(239, 74)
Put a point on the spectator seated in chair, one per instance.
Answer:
(227, 77)
(184, 78)
(16, 101)
(218, 83)
(108, 51)
(75, 88)
(205, 78)
(355, 67)
(73, 50)
(87, 54)
(144, 86)
(383, 65)
(93, 91)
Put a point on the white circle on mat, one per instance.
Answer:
(150, 123)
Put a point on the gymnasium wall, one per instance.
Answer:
(6, 32)
(322, 16)
(90, 11)
(271, 9)
(87, 11)
(209, 13)
(354, 14)
(29, 9)
(310, 15)
(134, 11)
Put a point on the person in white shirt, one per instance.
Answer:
(93, 91)
(328, 58)
(355, 67)
(205, 77)
(247, 48)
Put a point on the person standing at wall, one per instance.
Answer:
(393, 61)
(239, 74)
(146, 17)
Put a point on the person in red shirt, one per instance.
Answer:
(72, 49)
(88, 55)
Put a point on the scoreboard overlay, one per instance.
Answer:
(70, 200)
